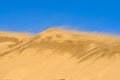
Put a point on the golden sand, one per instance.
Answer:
(56, 54)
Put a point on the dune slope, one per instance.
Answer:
(56, 54)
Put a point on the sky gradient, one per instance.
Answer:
(37, 15)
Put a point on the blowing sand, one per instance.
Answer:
(56, 54)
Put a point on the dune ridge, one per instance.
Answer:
(56, 54)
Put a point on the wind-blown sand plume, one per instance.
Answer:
(56, 54)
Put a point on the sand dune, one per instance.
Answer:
(56, 54)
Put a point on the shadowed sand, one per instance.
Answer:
(56, 54)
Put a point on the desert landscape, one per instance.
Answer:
(57, 54)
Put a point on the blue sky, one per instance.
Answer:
(37, 15)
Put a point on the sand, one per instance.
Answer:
(56, 54)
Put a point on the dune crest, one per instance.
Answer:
(56, 54)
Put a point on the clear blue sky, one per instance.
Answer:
(37, 15)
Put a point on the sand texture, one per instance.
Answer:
(56, 54)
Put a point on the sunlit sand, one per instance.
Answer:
(56, 54)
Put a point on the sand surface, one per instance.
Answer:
(56, 54)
